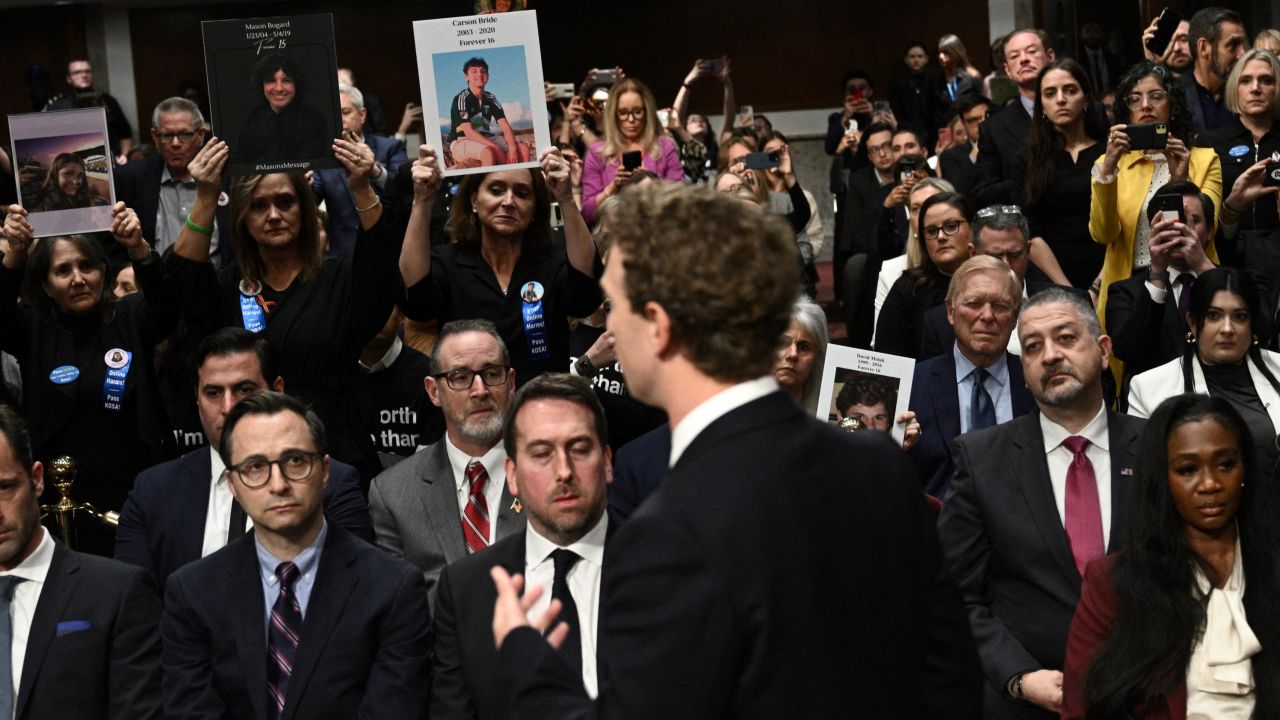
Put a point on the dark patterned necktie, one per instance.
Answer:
(571, 650)
(282, 639)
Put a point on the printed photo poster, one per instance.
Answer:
(872, 386)
(499, 6)
(482, 95)
(62, 166)
(273, 92)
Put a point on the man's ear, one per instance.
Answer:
(951, 318)
(513, 482)
(278, 384)
(37, 477)
(660, 334)
(433, 390)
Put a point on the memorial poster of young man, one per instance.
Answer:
(872, 387)
(63, 170)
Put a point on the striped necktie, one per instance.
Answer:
(283, 634)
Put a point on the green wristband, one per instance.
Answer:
(202, 230)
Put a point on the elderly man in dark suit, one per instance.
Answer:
(450, 498)
(330, 186)
(977, 383)
(735, 590)
(1004, 134)
(77, 632)
(182, 510)
(1035, 499)
(301, 619)
(558, 465)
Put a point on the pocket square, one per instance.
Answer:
(72, 626)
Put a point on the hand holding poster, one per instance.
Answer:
(482, 83)
(273, 91)
(63, 170)
(871, 386)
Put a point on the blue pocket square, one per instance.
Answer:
(71, 626)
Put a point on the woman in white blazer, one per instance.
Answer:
(1222, 358)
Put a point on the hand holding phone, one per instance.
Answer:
(762, 160)
(1166, 26)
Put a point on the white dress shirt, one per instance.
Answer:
(387, 360)
(715, 406)
(584, 583)
(217, 519)
(26, 595)
(1060, 457)
(494, 464)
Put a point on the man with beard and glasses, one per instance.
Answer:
(1217, 40)
(1021, 523)
(450, 498)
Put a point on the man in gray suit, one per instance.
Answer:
(450, 498)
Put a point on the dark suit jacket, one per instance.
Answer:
(138, 187)
(1000, 139)
(1144, 334)
(93, 650)
(937, 406)
(863, 204)
(639, 467)
(736, 591)
(957, 168)
(1007, 547)
(1188, 82)
(162, 522)
(364, 652)
(463, 685)
(937, 336)
(330, 187)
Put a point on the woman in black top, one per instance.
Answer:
(88, 380)
(502, 244)
(1051, 181)
(317, 311)
(945, 232)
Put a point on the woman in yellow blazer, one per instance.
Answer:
(1125, 180)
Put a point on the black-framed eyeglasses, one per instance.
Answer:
(462, 378)
(998, 210)
(948, 228)
(168, 137)
(295, 465)
(632, 114)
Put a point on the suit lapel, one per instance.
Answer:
(1037, 491)
(191, 512)
(946, 402)
(509, 520)
(335, 581)
(59, 587)
(440, 502)
(243, 595)
(1123, 437)
(1023, 403)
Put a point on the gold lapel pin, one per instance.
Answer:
(515, 505)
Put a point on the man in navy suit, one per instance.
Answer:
(77, 632)
(182, 510)
(301, 619)
(785, 568)
(330, 186)
(977, 383)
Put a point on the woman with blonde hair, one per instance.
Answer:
(630, 125)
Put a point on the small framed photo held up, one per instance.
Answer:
(62, 166)
(484, 105)
(871, 386)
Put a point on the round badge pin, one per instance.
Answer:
(1238, 151)
(531, 292)
(64, 374)
(224, 200)
(248, 288)
(116, 358)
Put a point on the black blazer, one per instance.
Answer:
(1000, 139)
(937, 407)
(364, 652)
(1144, 334)
(957, 168)
(463, 686)
(1006, 545)
(93, 651)
(162, 522)
(639, 467)
(737, 591)
(863, 204)
(138, 187)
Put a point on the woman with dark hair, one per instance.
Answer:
(501, 242)
(282, 126)
(944, 234)
(317, 311)
(912, 87)
(1124, 180)
(87, 373)
(66, 187)
(1168, 628)
(1051, 182)
(1222, 358)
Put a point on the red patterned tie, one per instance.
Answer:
(1084, 514)
(475, 517)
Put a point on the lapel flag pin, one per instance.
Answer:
(515, 503)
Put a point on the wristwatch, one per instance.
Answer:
(584, 366)
(1015, 687)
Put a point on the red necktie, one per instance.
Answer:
(1084, 514)
(475, 517)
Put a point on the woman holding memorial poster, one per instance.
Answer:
(317, 311)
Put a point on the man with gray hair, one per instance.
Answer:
(330, 186)
(161, 189)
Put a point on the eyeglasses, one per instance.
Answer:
(295, 465)
(1155, 98)
(462, 378)
(884, 149)
(168, 137)
(948, 228)
(998, 210)
(631, 114)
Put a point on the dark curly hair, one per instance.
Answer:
(868, 391)
(265, 69)
(1179, 110)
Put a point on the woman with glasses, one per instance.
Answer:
(630, 125)
(1051, 181)
(1124, 180)
(944, 236)
(1222, 358)
(1182, 621)
(318, 311)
